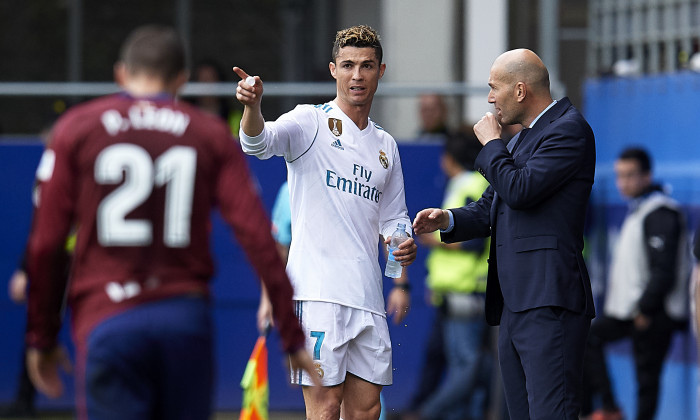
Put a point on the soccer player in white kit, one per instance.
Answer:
(346, 189)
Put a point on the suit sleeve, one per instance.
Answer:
(242, 209)
(552, 164)
(471, 221)
(475, 245)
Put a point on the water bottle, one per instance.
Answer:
(393, 267)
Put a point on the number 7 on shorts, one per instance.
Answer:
(318, 335)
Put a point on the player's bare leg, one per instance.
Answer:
(323, 403)
(360, 399)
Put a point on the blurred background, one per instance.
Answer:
(629, 66)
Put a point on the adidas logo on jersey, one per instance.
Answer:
(337, 144)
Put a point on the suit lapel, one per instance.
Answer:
(550, 116)
(517, 139)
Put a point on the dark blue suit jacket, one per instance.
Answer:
(534, 212)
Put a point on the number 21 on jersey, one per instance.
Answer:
(132, 166)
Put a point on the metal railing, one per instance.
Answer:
(281, 89)
(631, 37)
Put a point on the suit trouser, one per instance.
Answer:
(541, 357)
(649, 346)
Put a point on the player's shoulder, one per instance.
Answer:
(328, 108)
(311, 109)
(325, 108)
(380, 132)
(377, 126)
(81, 117)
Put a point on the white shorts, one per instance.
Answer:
(344, 340)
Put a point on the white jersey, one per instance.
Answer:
(346, 188)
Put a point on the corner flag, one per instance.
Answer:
(256, 392)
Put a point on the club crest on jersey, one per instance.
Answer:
(383, 159)
(336, 126)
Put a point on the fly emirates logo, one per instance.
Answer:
(357, 185)
(145, 116)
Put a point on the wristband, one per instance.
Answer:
(403, 286)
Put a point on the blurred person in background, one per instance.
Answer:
(346, 190)
(432, 110)
(647, 290)
(282, 221)
(209, 71)
(23, 404)
(695, 301)
(457, 283)
(138, 173)
(25, 394)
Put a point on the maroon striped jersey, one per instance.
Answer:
(137, 178)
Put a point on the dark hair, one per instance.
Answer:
(154, 49)
(360, 36)
(638, 154)
(463, 146)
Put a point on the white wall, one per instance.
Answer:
(486, 37)
(419, 39)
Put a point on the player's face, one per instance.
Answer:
(502, 96)
(357, 72)
(629, 178)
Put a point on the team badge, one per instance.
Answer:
(318, 369)
(336, 126)
(383, 159)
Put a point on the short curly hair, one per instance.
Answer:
(360, 36)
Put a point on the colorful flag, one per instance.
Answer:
(256, 392)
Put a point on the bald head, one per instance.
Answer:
(519, 84)
(523, 65)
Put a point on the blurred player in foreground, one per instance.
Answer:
(346, 189)
(138, 172)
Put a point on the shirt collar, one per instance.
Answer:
(542, 113)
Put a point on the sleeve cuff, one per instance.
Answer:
(252, 145)
(451, 225)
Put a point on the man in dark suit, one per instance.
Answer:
(538, 286)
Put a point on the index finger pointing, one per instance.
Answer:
(239, 71)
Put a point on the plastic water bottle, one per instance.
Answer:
(393, 267)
